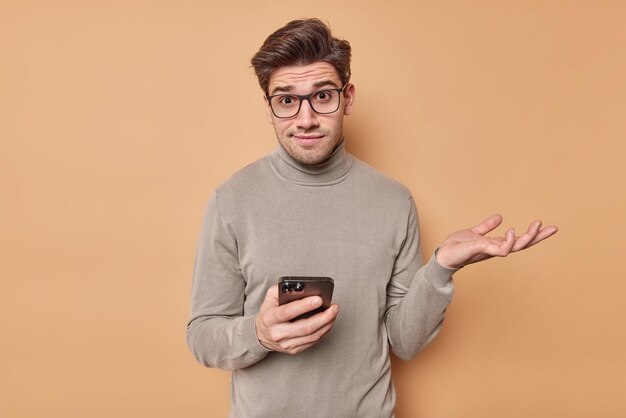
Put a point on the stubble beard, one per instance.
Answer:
(317, 154)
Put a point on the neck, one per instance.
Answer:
(332, 170)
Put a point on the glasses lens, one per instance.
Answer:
(285, 106)
(325, 101)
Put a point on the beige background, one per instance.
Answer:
(118, 118)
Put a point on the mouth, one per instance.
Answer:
(307, 140)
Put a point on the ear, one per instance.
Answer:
(268, 110)
(349, 94)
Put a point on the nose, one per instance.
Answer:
(307, 118)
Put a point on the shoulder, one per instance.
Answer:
(378, 183)
(248, 181)
(249, 176)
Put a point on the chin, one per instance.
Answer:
(316, 154)
(310, 157)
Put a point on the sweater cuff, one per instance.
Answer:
(439, 274)
(256, 349)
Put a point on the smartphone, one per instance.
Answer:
(292, 288)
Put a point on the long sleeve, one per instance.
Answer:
(417, 295)
(341, 219)
(218, 334)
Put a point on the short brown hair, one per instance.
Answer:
(301, 42)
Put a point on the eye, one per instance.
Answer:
(323, 95)
(287, 100)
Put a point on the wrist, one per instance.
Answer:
(258, 338)
(442, 259)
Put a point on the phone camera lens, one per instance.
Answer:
(299, 287)
(285, 288)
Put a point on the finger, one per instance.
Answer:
(309, 331)
(310, 325)
(523, 240)
(546, 232)
(499, 247)
(487, 225)
(508, 243)
(301, 343)
(296, 308)
(283, 333)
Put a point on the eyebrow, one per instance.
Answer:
(289, 88)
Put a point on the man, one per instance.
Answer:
(312, 209)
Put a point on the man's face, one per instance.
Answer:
(309, 137)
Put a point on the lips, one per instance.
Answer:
(307, 140)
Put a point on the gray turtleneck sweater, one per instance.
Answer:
(340, 219)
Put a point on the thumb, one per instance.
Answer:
(487, 225)
(271, 297)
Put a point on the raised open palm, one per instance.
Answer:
(472, 245)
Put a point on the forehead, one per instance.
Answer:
(302, 78)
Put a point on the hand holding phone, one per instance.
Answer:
(275, 329)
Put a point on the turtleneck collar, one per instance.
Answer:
(331, 171)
